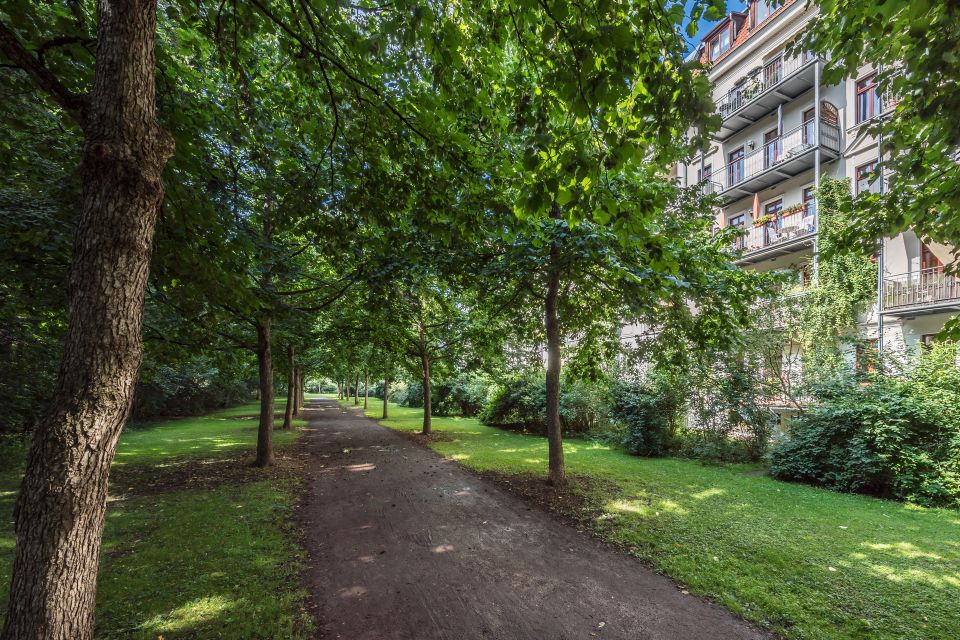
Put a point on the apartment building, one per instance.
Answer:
(783, 130)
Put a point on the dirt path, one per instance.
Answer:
(404, 544)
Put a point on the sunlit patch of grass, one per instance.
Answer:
(804, 562)
(225, 430)
(220, 562)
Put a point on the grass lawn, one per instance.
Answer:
(221, 561)
(804, 562)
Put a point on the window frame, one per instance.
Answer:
(860, 171)
(717, 41)
(871, 92)
(757, 20)
(730, 161)
(777, 142)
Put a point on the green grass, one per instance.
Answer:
(216, 563)
(804, 562)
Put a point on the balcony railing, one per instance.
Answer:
(761, 80)
(782, 231)
(779, 152)
(921, 289)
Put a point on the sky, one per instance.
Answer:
(704, 27)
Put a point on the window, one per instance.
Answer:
(735, 167)
(809, 202)
(704, 174)
(773, 208)
(864, 183)
(720, 43)
(868, 100)
(928, 260)
(866, 356)
(738, 221)
(808, 125)
(773, 71)
(761, 11)
(771, 148)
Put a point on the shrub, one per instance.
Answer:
(521, 403)
(650, 412)
(518, 403)
(894, 436)
(408, 395)
(189, 388)
(464, 396)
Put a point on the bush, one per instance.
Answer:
(650, 412)
(894, 436)
(521, 403)
(190, 388)
(464, 396)
(518, 403)
(327, 387)
(408, 395)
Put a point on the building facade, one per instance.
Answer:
(783, 130)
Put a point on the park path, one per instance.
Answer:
(403, 544)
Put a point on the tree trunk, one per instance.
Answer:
(301, 386)
(291, 389)
(366, 388)
(356, 392)
(386, 395)
(265, 363)
(60, 511)
(297, 396)
(427, 405)
(557, 474)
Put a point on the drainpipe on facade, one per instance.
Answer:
(880, 253)
(816, 168)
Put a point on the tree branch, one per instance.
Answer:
(73, 104)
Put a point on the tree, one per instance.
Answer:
(60, 510)
(599, 98)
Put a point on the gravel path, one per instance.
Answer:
(405, 544)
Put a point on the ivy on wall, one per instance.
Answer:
(845, 286)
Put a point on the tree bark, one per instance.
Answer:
(339, 391)
(386, 395)
(301, 387)
(356, 392)
(427, 401)
(60, 510)
(291, 389)
(557, 473)
(265, 363)
(297, 395)
(366, 388)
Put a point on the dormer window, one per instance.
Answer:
(761, 11)
(720, 43)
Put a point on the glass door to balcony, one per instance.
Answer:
(771, 148)
(808, 126)
(773, 71)
(735, 167)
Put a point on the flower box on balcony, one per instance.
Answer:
(764, 219)
(793, 209)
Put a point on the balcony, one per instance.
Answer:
(921, 293)
(786, 156)
(788, 233)
(764, 89)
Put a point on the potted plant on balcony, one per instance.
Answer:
(793, 209)
(765, 219)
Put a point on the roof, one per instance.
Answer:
(742, 35)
